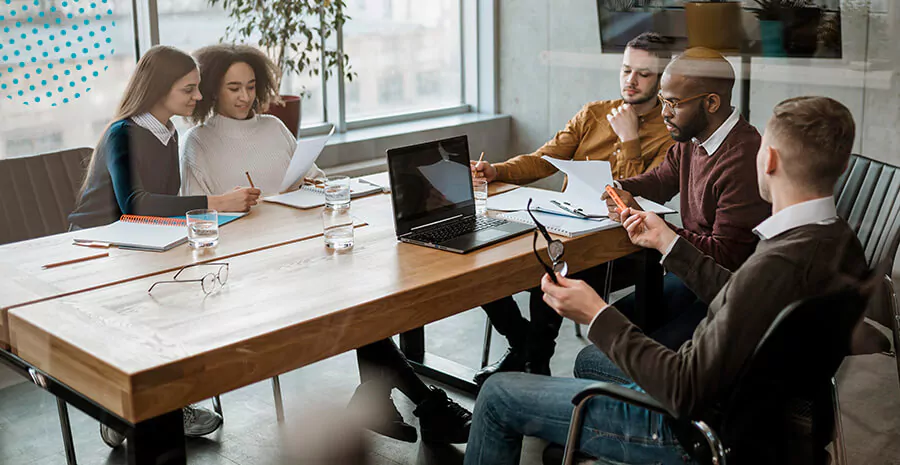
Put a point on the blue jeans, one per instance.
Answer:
(513, 405)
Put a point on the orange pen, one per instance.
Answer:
(615, 196)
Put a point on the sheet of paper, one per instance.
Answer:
(517, 199)
(304, 156)
(584, 176)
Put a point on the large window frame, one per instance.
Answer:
(478, 42)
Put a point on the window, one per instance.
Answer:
(391, 43)
(76, 65)
(33, 144)
(406, 56)
(192, 24)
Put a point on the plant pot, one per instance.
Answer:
(288, 113)
(771, 33)
(718, 26)
(801, 31)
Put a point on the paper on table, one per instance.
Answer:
(588, 179)
(304, 156)
(517, 199)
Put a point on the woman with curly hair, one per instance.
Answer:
(232, 135)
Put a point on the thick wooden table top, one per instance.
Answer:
(141, 355)
(24, 281)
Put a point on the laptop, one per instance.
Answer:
(434, 206)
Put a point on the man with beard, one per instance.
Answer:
(629, 133)
(713, 168)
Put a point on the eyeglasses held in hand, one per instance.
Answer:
(555, 249)
(209, 282)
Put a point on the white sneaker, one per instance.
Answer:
(197, 422)
(111, 437)
(200, 421)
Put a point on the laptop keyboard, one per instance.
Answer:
(456, 228)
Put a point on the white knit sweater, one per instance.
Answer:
(215, 155)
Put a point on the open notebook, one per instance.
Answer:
(310, 196)
(149, 233)
(563, 225)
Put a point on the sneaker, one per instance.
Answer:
(200, 421)
(111, 437)
(442, 420)
(379, 413)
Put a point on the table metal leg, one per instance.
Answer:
(648, 290)
(158, 441)
(66, 431)
(412, 343)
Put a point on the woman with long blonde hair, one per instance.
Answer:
(135, 168)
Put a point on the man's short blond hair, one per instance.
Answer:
(815, 137)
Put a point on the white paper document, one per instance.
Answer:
(304, 156)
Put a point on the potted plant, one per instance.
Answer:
(788, 27)
(715, 24)
(283, 30)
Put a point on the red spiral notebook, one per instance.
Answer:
(150, 233)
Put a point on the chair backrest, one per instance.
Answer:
(868, 198)
(792, 365)
(37, 193)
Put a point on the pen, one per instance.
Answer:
(249, 179)
(569, 208)
(384, 190)
(615, 196)
(76, 260)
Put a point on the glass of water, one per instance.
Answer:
(336, 219)
(480, 185)
(203, 228)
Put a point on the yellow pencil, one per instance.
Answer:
(249, 179)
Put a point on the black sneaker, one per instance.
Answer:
(381, 415)
(442, 420)
(512, 360)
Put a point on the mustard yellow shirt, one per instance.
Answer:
(588, 135)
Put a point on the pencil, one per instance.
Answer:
(615, 196)
(481, 158)
(249, 179)
(76, 260)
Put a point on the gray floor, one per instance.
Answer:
(315, 397)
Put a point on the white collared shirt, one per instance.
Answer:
(163, 132)
(715, 140)
(818, 211)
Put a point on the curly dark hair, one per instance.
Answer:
(214, 62)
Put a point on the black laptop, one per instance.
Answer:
(434, 206)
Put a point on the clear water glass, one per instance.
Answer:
(337, 190)
(336, 219)
(202, 228)
(480, 186)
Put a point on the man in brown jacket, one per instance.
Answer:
(805, 250)
(628, 133)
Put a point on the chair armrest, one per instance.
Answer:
(620, 393)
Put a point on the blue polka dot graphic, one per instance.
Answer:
(32, 31)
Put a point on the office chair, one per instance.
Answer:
(788, 379)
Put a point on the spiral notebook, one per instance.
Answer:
(310, 196)
(151, 233)
(563, 225)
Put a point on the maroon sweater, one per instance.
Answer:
(720, 202)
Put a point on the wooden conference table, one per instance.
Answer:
(92, 335)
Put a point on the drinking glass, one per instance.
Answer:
(203, 228)
(336, 219)
(480, 186)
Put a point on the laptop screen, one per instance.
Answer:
(430, 182)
